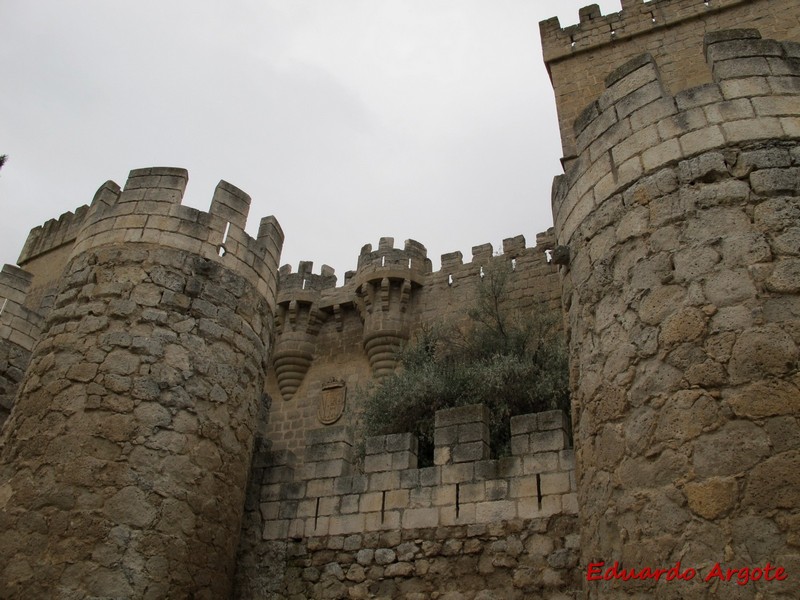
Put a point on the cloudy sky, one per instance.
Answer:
(347, 119)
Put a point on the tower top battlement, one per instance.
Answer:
(637, 17)
(149, 210)
(304, 285)
(413, 253)
(637, 127)
(580, 57)
(411, 262)
(53, 234)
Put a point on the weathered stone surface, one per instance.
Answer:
(130, 458)
(766, 399)
(762, 351)
(513, 558)
(131, 507)
(712, 497)
(733, 449)
(687, 325)
(697, 326)
(775, 483)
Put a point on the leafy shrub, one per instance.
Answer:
(515, 364)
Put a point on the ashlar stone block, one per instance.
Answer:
(548, 441)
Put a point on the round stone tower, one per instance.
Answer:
(682, 295)
(124, 462)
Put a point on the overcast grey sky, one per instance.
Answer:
(347, 119)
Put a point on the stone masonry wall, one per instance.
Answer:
(683, 297)
(124, 463)
(19, 331)
(45, 254)
(321, 329)
(469, 526)
(580, 57)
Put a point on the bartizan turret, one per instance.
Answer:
(298, 319)
(385, 281)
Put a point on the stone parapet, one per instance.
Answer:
(326, 498)
(292, 284)
(461, 435)
(18, 324)
(636, 17)
(149, 210)
(393, 452)
(411, 261)
(53, 234)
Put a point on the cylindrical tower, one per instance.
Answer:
(125, 460)
(683, 303)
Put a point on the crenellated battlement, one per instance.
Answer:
(411, 262)
(580, 57)
(53, 234)
(326, 496)
(637, 127)
(390, 292)
(303, 287)
(304, 279)
(637, 17)
(161, 324)
(394, 261)
(149, 210)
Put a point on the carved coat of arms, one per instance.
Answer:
(331, 401)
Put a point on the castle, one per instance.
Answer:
(178, 412)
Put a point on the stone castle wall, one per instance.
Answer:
(124, 464)
(320, 328)
(323, 334)
(329, 333)
(580, 57)
(681, 216)
(468, 525)
(45, 254)
(20, 329)
(153, 420)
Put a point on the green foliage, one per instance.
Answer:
(513, 363)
